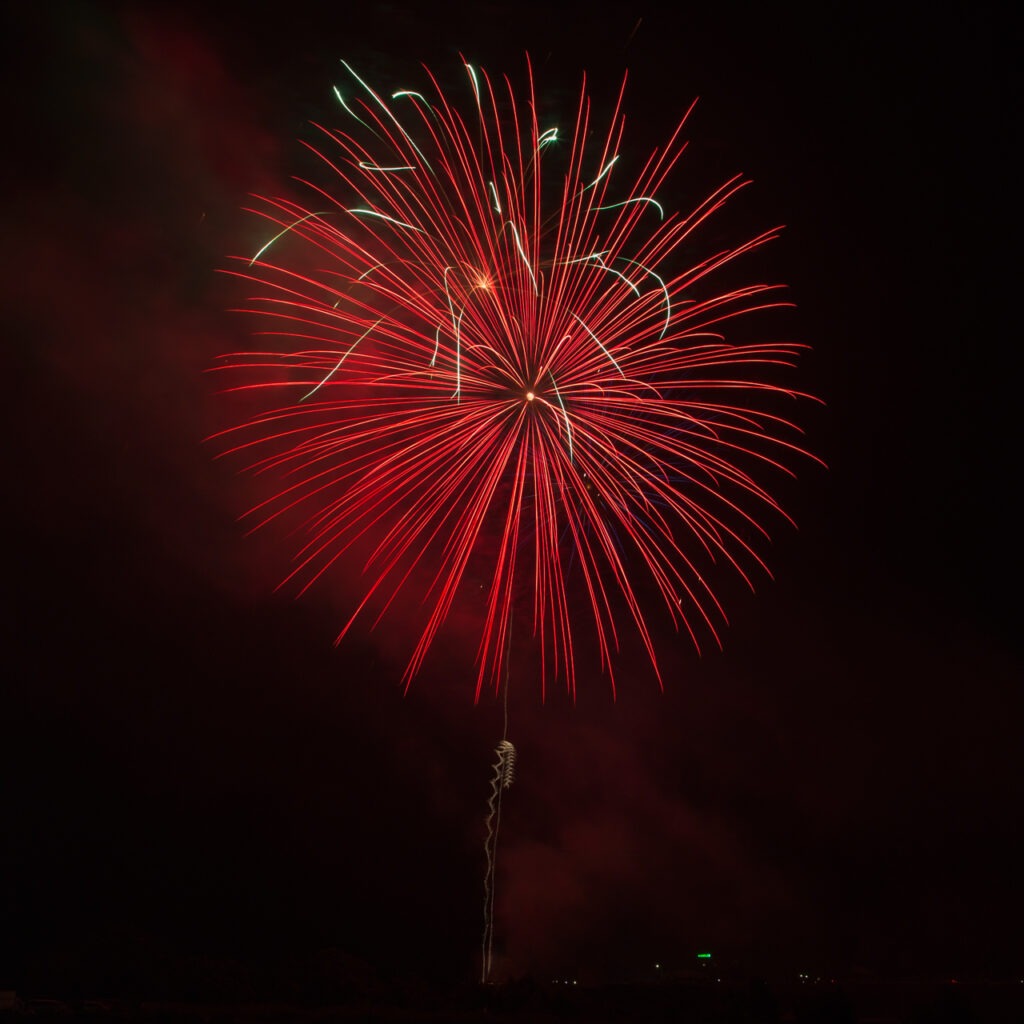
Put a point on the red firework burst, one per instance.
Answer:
(477, 342)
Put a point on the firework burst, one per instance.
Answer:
(482, 324)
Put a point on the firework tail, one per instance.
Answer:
(504, 773)
(503, 777)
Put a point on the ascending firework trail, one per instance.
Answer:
(504, 776)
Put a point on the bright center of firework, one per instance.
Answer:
(529, 396)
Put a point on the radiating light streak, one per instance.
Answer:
(349, 110)
(568, 426)
(448, 296)
(597, 257)
(337, 366)
(657, 474)
(476, 84)
(294, 224)
(383, 216)
(363, 166)
(458, 358)
(522, 253)
(637, 199)
(597, 340)
(387, 110)
(664, 288)
(551, 135)
(607, 167)
(366, 273)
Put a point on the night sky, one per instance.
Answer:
(191, 766)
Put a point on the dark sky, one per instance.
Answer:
(192, 766)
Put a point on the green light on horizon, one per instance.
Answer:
(703, 956)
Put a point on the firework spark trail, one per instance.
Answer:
(504, 775)
(487, 353)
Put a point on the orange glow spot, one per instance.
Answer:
(529, 396)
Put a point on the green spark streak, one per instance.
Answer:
(598, 257)
(660, 280)
(384, 170)
(340, 361)
(476, 84)
(384, 216)
(589, 256)
(494, 192)
(456, 326)
(387, 110)
(349, 110)
(599, 345)
(367, 273)
(522, 252)
(458, 360)
(604, 266)
(568, 429)
(638, 199)
(295, 224)
(611, 270)
(544, 140)
(607, 167)
(448, 295)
